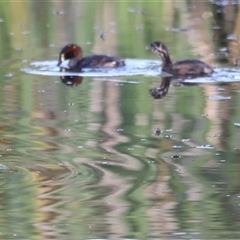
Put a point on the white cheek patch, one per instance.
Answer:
(62, 57)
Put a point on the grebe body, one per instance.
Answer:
(74, 54)
(185, 67)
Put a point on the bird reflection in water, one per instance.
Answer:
(162, 90)
(70, 80)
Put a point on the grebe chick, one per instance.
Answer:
(184, 67)
(76, 61)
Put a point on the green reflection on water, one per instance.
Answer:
(85, 161)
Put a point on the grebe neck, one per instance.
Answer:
(166, 60)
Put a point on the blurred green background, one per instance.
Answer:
(84, 162)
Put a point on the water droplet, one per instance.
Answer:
(168, 136)
(205, 146)
(58, 12)
(231, 37)
(177, 146)
(219, 97)
(119, 130)
(9, 75)
(3, 167)
(216, 135)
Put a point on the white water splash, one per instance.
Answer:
(134, 67)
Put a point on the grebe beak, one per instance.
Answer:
(61, 59)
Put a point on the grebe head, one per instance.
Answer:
(161, 50)
(70, 51)
(157, 46)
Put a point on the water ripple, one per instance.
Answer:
(141, 67)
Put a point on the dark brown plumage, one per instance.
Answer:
(73, 52)
(184, 67)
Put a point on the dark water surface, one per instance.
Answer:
(103, 159)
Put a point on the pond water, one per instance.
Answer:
(119, 154)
